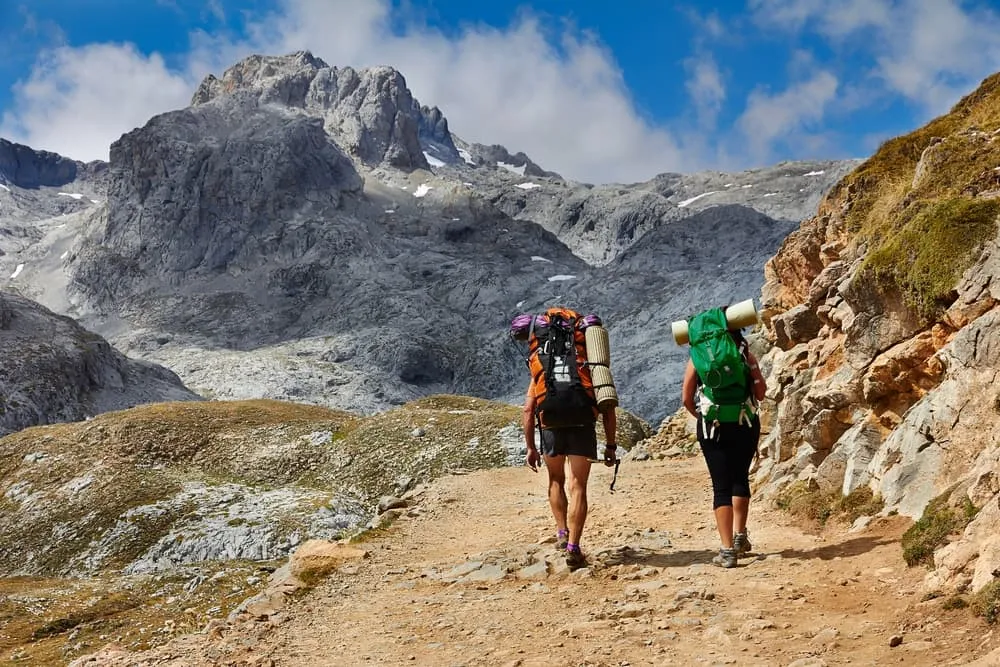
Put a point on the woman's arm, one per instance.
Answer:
(758, 386)
(688, 388)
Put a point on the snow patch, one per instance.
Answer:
(561, 277)
(519, 304)
(770, 194)
(511, 168)
(728, 185)
(816, 173)
(696, 198)
(748, 185)
(95, 201)
(4, 187)
(527, 186)
(74, 195)
(433, 161)
(539, 258)
(64, 255)
(422, 190)
(465, 155)
(390, 210)
(17, 271)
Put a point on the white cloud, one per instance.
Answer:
(706, 88)
(78, 100)
(929, 51)
(557, 94)
(510, 86)
(788, 117)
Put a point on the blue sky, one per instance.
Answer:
(598, 91)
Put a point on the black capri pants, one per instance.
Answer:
(729, 455)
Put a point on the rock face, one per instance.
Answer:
(883, 313)
(313, 233)
(27, 168)
(54, 370)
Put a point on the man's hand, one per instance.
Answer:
(610, 454)
(533, 460)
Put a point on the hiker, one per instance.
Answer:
(728, 436)
(561, 398)
(577, 446)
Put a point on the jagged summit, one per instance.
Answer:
(370, 111)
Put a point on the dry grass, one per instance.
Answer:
(927, 255)
(808, 502)
(922, 236)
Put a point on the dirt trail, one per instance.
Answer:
(831, 599)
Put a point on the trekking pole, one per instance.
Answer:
(614, 477)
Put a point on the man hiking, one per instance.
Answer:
(560, 399)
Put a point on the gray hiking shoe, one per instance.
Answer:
(726, 558)
(741, 542)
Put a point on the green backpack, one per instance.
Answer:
(724, 372)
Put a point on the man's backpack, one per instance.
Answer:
(557, 359)
(722, 369)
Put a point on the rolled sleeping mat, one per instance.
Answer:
(597, 344)
(599, 358)
(738, 315)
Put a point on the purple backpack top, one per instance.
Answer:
(521, 326)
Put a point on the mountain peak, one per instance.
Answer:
(370, 112)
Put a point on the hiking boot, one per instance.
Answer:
(575, 559)
(726, 558)
(741, 542)
(562, 538)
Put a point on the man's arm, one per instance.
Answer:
(528, 426)
(610, 421)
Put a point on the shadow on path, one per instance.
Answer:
(657, 558)
(852, 547)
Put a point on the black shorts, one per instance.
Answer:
(574, 441)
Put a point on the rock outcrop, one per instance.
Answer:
(53, 370)
(883, 313)
(27, 168)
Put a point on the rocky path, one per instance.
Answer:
(470, 577)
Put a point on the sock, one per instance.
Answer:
(572, 547)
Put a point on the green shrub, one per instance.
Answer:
(931, 531)
(954, 602)
(986, 602)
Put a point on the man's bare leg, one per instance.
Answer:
(556, 467)
(579, 471)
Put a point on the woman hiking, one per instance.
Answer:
(729, 448)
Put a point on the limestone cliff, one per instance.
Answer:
(883, 311)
